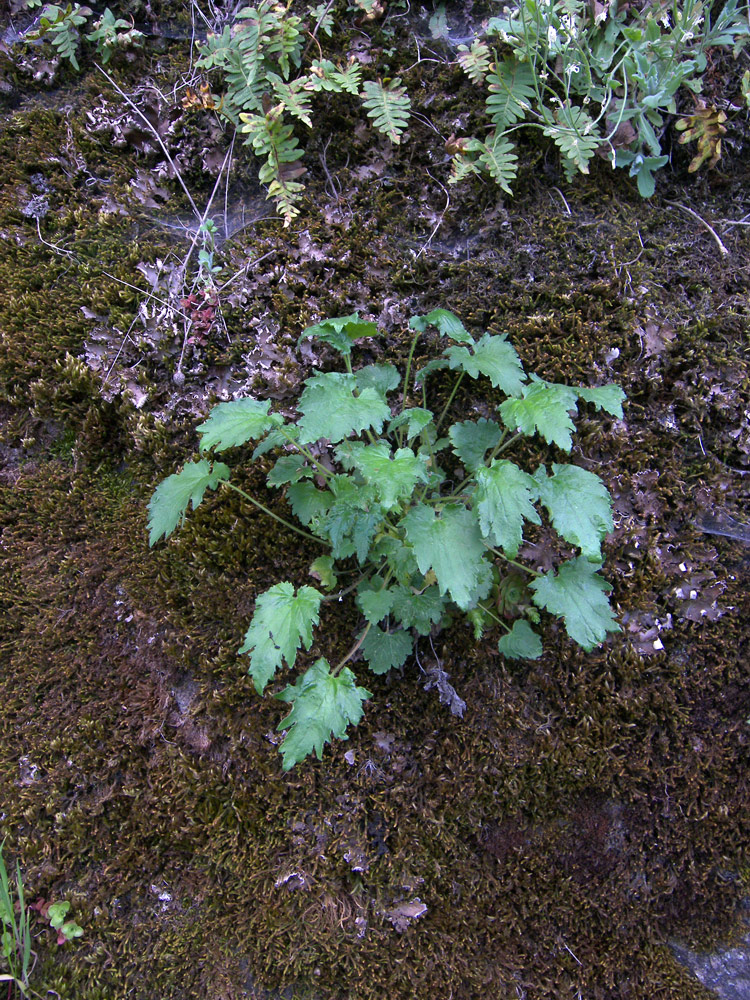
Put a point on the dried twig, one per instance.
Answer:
(712, 231)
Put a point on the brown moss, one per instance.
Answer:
(585, 810)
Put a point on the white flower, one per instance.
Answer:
(569, 25)
(551, 36)
(572, 68)
(665, 19)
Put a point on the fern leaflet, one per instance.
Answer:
(388, 107)
(576, 136)
(272, 139)
(475, 62)
(511, 87)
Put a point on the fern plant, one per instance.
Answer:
(594, 80)
(365, 476)
(267, 91)
(61, 26)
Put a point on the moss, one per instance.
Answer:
(584, 811)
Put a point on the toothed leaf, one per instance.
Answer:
(289, 469)
(449, 544)
(331, 410)
(419, 611)
(237, 422)
(375, 604)
(282, 621)
(416, 419)
(493, 357)
(393, 477)
(340, 332)
(545, 408)
(472, 438)
(386, 650)
(172, 496)
(521, 643)
(323, 705)
(605, 397)
(579, 504)
(446, 322)
(503, 500)
(382, 378)
(577, 593)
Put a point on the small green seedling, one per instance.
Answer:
(67, 930)
(432, 520)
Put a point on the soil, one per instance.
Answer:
(586, 809)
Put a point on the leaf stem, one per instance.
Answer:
(442, 416)
(513, 562)
(494, 617)
(347, 590)
(326, 473)
(352, 651)
(266, 510)
(406, 386)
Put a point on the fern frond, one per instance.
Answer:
(388, 107)
(294, 96)
(325, 76)
(475, 62)
(461, 168)
(511, 87)
(576, 136)
(499, 160)
(286, 40)
(272, 139)
(264, 40)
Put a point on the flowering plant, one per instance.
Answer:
(595, 78)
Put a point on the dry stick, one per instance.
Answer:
(156, 135)
(703, 222)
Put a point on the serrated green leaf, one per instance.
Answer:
(322, 569)
(446, 322)
(579, 504)
(237, 422)
(578, 595)
(340, 332)
(308, 502)
(521, 643)
(352, 520)
(451, 545)
(400, 558)
(416, 419)
(280, 623)
(432, 366)
(381, 378)
(375, 604)
(472, 438)
(494, 357)
(323, 706)
(392, 477)
(503, 500)
(418, 610)
(289, 469)
(171, 498)
(386, 650)
(276, 438)
(605, 397)
(331, 410)
(545, 408)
